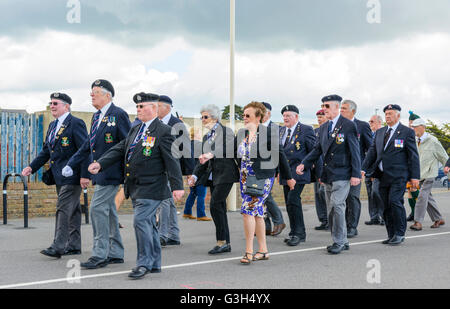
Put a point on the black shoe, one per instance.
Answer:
(336, 249)
(138, 272)
(382, 222)
(410, 217)
(352, 233)
(163, 242)
(114, 261)
(94, 263)
(385, 242)
(222, 249)
(287, 239)
(346, 247)
(396, 240)
(322, 227)
(155, 270)
(294, 241)
(51, 253)
(373, 222)
(171, 242)
(72, 252)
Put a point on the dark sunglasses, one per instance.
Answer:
(247, 116)
(53, 103)
(204, 117)
(326, 105)
(141, 106)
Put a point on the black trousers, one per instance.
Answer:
(294, 209)
(353, 210)
(218, 209)
(394, 212)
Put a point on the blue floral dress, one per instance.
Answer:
(251, 205)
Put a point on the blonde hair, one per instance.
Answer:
(260, 109)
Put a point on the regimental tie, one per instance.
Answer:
(386, 136)
(138, 138)
(330, 127)
(53, 134)
(288, 138)
(94, 127)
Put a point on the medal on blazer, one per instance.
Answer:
(297, 145)
(65, 142)
(61, 130)
(108, 138)
(340, 138)
(111, 121)
(148, 143)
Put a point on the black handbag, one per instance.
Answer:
(254, 186)
(47, 178)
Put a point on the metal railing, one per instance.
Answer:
(25, 199)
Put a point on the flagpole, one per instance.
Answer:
(231, 201)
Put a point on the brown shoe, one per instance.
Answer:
(189, 217)
(416, 226)
(278, 229)
(437, 224)
(204, 219)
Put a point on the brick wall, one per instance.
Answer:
(42, 199)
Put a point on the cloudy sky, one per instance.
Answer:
(375, 52)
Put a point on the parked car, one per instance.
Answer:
(445, 182)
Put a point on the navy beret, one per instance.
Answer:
(392, 107)
(61, 96)
(267, 105)
(145, 97)
(103, 84)
(290, 108)
(333, 97)
(165, 99)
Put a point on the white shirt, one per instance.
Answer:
(103, 112)
(147, 125)
(335, 120)
(266, 123)
(61, 120)
(394, 128)
(423, 138)
(166, 118)
(286, 133)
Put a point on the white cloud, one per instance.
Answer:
(411, 72)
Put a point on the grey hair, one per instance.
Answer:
(106, 91)
(213, 110)
(352, 105)
(379, 119)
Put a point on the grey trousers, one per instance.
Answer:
(426, 203)
(336, 195)
(168, 221)
(273, 212)
(68, 219)
(147, 235)
(105, 223)
(321, 203)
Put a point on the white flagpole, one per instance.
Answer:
(231, 202)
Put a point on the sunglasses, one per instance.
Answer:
(326, 105)
(53, 103)
(247, 116)
(204, 117)
(141, 106)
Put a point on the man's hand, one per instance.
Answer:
(205, 158)
(84, 182)
(67, 171)
(291, 183)
(27, 171)
(300, 169)
(94, 168)
(178, 195)
(354, 181)
(363, 174)
(192, 180)
(446, 169)
(415, 183)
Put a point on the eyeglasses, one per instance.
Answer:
(247, 116)
(140, 106)
(326, 105)
(53, 103)
(204, 117)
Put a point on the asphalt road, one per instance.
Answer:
(421, 262)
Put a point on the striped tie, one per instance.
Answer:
(138, 138)
(94, 127)
(53, 134)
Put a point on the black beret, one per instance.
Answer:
(290, 108)
(392, 107)
(165, 99)
(267, 105)
(333, 97)
(104, 84)
(145, 97)
(61, 96)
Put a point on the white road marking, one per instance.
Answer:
(19, 285)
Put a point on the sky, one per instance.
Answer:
(374, 52)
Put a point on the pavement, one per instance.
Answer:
(420, 262)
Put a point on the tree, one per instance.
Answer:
(239, 113)
(442, 133)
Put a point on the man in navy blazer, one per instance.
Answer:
(353, 211)
(65, 135)
(297, 140)
(394, 158)
(338, 143)
(110, 125)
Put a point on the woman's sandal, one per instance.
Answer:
(264, 256)
(245, 260)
